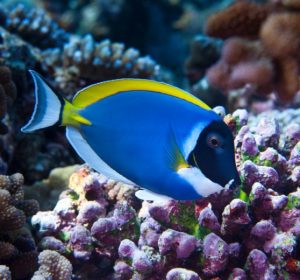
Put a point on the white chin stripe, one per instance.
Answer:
(201, 184)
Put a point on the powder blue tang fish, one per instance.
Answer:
(144, 133)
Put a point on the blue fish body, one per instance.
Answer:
(148, 138)
(132, 132)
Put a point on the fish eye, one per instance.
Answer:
(214, 140)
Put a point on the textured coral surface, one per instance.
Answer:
(250, 233)
(90, 227)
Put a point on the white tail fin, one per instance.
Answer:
(47, 106)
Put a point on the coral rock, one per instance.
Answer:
(52, 243)
(264, 203)
(183, 244)
(81, 242)
(123, 270)
(238, 274)
(208, 219)
(215, 254)
(263, 230)
(235, 218)
(150, 233)
(259, 267)
(7, 251)
(265, 175)
(144, 261)
(182, 274)
(279, 29)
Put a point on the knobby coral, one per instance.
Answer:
(83, 61)
(265, 56)
(251, 234)
(88, 222)
(17, 246)
(242, 19)
(53, 266)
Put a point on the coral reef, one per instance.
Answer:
(205, 51)
(47, 191)
(89, 221)
(242, 19)
(250, 233)
(35, 27)
(53, 266)
(82, 61)
(17, 246)
(30, 39)
(90, 227)
(264, 56)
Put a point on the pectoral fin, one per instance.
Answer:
(175, 158)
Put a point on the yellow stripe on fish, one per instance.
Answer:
(71, 116)
(99, 91)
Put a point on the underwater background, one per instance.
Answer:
(59, 219)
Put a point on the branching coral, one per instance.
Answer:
(270, 62)
(242, 19)
(35, 27)
(17, 246)
(53, 266)
(226, 235)
(87, 223)
(84, 61)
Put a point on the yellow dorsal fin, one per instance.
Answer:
(71, 116)
(96, 92)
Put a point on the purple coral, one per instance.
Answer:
(103, 227)
(252, 173)
(81, 242)
(252, 235)
(181, 273)
(235, 218)
(259, 267)
(208, 219)
(183, 244)
(144, 261)
(215, 255)
(265, 203)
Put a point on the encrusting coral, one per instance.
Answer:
(252, 233)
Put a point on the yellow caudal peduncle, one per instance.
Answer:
(71, 116)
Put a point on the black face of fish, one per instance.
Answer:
(214, 154)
